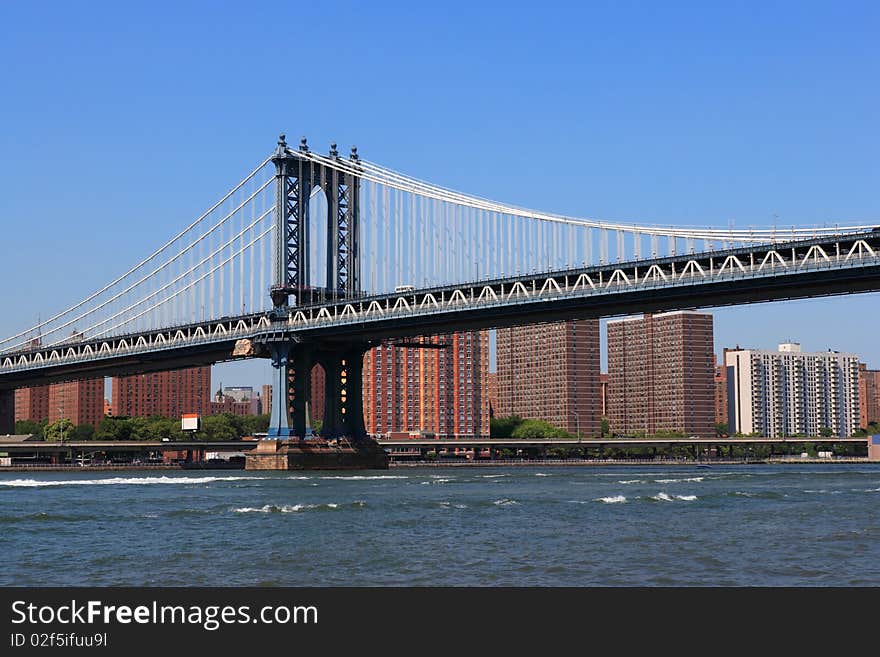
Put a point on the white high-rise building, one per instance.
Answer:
(790, 392)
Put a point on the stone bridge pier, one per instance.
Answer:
(290, 443)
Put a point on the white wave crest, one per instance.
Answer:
(505, 502)
(678, 481)
(632, 481)
(435, 481)
(613, 499)
(494, 476)
(121, 481)
(665, 497)
(272, 508)
(364, 477)
(283, 508)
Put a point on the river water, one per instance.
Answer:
(515, 526)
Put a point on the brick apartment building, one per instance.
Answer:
(869, 395)
(266, 399)
(661, 374)
(492, 391)
(81, 402)
(721, 396)
(551, 372)
(442, 391)
(318, 381)
(170, 394)
(32, 403)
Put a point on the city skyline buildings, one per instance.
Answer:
(750, 326)
(33, 402)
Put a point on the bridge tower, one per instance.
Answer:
(297, 173)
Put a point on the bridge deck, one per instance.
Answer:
(817, 267)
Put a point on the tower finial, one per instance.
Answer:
(303, 145)
(333, 151)
(281, 150)
(354, 153)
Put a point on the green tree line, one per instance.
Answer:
(225, 426)
(516, 427)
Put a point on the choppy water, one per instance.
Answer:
(726, 525)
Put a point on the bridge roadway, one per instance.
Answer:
(806, 268)
(496, 443)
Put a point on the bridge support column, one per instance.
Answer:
(299, 378)
(279, 420)
(291, 391)
(343, 394)
(7, 412)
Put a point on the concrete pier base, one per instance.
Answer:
(295, 454)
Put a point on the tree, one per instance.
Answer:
(155, 428)
(218, 428)
(82, 432)
(826, 432)
(503, 427)
(539, 429)
(59, 430)
(606, 427)
(253, 424)
(139, 429)
(721, 429)
(112, 428)
(29, 427)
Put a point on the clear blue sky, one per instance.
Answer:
(119, 124)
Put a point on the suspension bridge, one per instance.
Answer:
(314, 259)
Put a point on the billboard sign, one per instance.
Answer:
(190, 422)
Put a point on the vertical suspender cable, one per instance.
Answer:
(374, 229)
